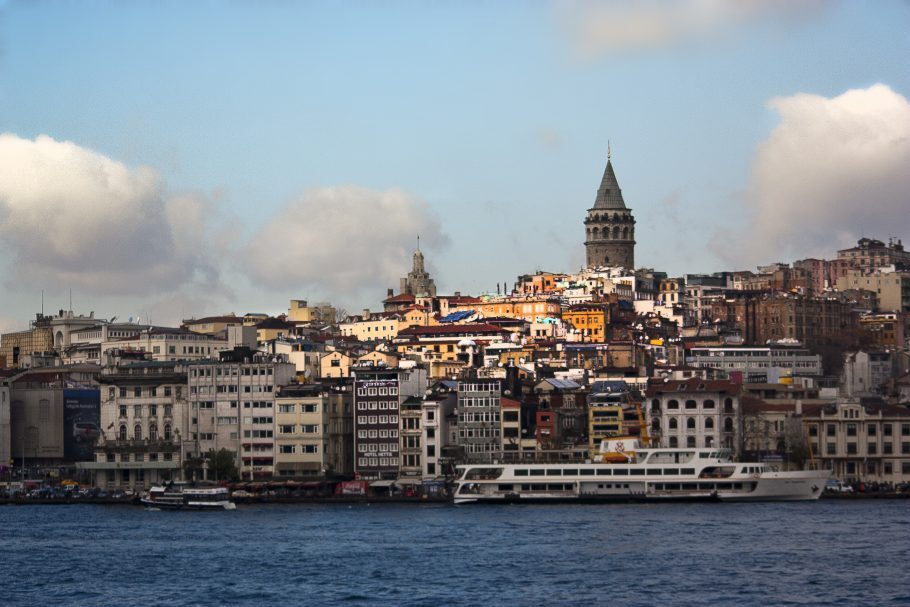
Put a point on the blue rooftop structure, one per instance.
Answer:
(457, 316)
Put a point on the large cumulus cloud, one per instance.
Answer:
(832, 170)
(72, 217)
(344, 241)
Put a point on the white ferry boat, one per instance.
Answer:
(178, 497)
(624, 472)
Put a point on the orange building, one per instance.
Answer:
(590, 320)
(525, 307)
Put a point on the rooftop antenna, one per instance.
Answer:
(42, 302)
(71, 299)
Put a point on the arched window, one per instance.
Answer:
(690, 404)
(673, 404)
(153, 431)
(625, 233)
(708, 404)
(673, 423)
(616, 232)
(167, 432)
(690, 442)
(690, 423)
(728, 424)
(655, 425)
(673, 442)
(137, 432)
(655, 404)
(595, 232)
(728, 405)
(709, 423)
(709, 441)
(122, 433)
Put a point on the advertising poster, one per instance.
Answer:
(81, 424)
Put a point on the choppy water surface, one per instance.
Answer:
(822, 553)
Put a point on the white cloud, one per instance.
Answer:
(72, 217)
(345, 241)
(612, 26)
(833, 169)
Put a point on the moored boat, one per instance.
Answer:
(625, 472)
(180, 497)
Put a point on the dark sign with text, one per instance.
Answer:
(81, 423)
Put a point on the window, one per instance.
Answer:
(287, 449)
(121, 434)
(832, 430)
(690, 423)
(137, 432)
(137, 392)
(167, 432)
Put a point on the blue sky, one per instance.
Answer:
(490, 119)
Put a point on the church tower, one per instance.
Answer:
(609, 226)
(418, 281)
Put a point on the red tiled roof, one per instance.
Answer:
(451, 330)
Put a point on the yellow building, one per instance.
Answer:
(590, 320)
(335, 364)
(13, 346)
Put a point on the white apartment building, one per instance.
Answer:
(757, 364)
(232, 407)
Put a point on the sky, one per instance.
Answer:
(168, 160)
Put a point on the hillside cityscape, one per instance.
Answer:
(797, 363)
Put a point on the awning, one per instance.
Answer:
(382, 483)
(408, 481)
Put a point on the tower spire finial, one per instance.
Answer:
(418, 242)
(609, 151)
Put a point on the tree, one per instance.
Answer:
(192, 467)
(222, 466)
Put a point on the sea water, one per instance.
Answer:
(832, 552)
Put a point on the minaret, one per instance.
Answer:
(609, 226)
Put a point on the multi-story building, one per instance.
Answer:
(609, 226)
(314, 430)
(38, 337)
(867, 373)
(378, 395)
(613, 411)
(437, 409)
(887, 330)
(870, 255)
(861, 442)
(232, 407)
(143, 423)
(479, 418)
(589, 321)
(756, 364)
(761, 318)
(165, 343)
(892, 287)
(695, 413)
(5, 453)
(412, 441)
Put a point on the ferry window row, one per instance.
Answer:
(604, 471)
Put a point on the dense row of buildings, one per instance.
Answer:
(802, 363)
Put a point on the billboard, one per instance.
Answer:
(81, 423)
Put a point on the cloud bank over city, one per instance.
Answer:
(71, 217)
(344, 240)
(831, 169)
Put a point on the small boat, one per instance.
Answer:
(180, 497)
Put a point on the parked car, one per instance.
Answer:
(835, 486)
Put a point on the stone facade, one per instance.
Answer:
(609, 226)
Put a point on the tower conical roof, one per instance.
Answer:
(609, 196)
